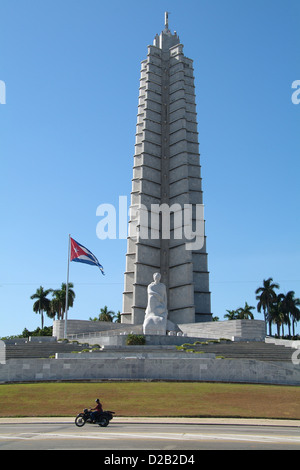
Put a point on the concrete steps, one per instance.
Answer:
(257, 350)
(40, 350)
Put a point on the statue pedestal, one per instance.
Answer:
(155, 325)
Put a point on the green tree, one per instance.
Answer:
(104, 315)
(46, 331)
(290, 309)
(245, 313)
(231, 315)
(42, 303)
(58, 303)
(117, 317)
(296, 314)
(266, 295)
(276, 314)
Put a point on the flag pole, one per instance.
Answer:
(67, 290)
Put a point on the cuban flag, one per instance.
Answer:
(82, 255)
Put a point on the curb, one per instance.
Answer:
(148, 420)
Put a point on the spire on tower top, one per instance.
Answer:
(166, 39)
(167, 19)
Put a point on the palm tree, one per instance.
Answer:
(296, 314)
(117, 317)
(266, 295)
(276, 314)
(245, 312)
(42, 304)
(290, 309)
(231, 315)
(94, 319)
(106, 315)
(56, 306)
(58, 303)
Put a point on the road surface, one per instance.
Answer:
(168, 436)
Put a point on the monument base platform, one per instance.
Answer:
(94, 332)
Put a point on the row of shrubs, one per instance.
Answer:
(139, 340)
(131, 340)
(188, 347)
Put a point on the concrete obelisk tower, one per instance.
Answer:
(166, 174)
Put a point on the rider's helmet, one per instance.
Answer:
(97, 400)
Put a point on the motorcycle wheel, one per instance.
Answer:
(103, 422)
(80, 421)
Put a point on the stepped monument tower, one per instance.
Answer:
(166, 224)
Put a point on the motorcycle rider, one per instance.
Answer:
(98, 410)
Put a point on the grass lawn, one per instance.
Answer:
(152, 399)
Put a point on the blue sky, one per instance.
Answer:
(67, 132)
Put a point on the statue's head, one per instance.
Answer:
(156, 277)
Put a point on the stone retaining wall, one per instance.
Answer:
(82, 326)
(189, 368)
(235, 330)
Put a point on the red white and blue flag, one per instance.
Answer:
(82, 255)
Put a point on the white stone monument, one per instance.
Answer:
(166, 174)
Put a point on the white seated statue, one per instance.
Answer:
(155, 322)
